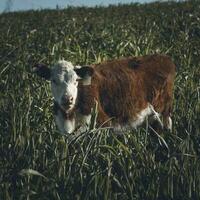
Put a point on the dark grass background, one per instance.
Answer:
(36, 162)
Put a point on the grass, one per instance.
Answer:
(36, 162)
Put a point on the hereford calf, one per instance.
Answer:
(127, 91)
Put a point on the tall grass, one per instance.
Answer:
(36, 162)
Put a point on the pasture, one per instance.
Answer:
(36, 162)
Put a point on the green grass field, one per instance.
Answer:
(36, 162)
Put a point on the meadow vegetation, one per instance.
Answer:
(36, 162)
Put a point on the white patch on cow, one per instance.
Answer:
(64, 83)
(148, 113)
(141, 117)
(69, 125)
(64, 125)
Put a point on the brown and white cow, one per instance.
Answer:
(127, 91)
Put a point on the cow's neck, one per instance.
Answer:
(64, 120)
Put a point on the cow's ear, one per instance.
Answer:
(42, 70)
(84, 71)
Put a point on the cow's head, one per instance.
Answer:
(64, 79)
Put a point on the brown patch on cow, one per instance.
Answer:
(87, 97)
(158, 73)
(120, 92)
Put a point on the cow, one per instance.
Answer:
(126, 91)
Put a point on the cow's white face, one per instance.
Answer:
(64, 81)
(64, 84)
